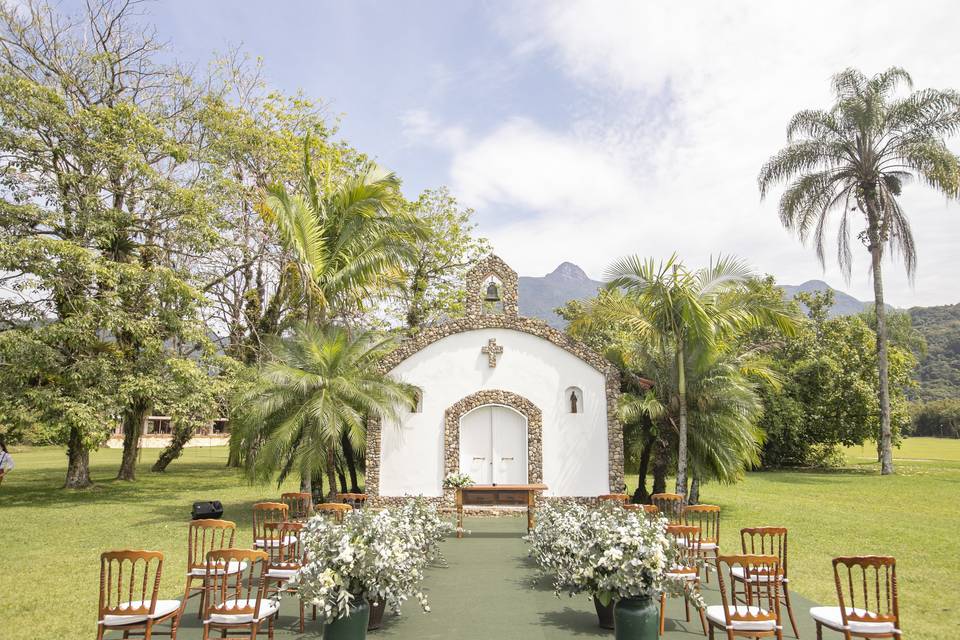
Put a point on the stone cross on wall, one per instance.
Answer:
(492, 350)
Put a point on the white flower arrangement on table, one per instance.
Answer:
(458, 481)
(378, 556)
(605, 551)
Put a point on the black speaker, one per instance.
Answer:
(207, 510)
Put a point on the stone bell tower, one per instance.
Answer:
(492, 288)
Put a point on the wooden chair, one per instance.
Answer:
(707, 517)
(614, 497)
(767, 541)
(867, 594)
(264, 512)
(285, 558)
(685, 569)
(204, 536)
(355, 500)
(129, 583)
(238, 601)
(299, 505)
(334, 509)
(760, 617)
(670, 506)
(648, 510)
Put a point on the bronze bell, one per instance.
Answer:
(492, 294)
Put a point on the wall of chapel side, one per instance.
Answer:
(579, 456)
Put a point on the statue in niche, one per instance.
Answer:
(573, 402)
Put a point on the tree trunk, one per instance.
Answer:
(682, 435)
(132, 428)
(331, 475)
(661, 460)
(640, 495)
(306, 483)
(78, 462)
(351, 463)
(694, 496)
(343, 478)
(886, 434)
(173, 450)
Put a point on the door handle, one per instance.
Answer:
(481, 459)
(505, 459)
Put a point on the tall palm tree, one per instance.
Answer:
(316, 386)
(347, 238)
(684, 313)
(854, 159)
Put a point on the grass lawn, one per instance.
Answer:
(53, 538)
(913, 516)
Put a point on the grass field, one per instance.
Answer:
(52, 538)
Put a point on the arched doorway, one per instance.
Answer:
(493, 445)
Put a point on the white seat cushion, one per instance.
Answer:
(715, 613)
(263, 542)
(164, 607)
(682, 576)
(704, 546)
(267, 608)
(830, 616)
(286, 574)
(232, 568)
(739, 573)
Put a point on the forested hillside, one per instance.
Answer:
(939, 372)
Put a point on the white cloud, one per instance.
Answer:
(683, 103)
(418, 125)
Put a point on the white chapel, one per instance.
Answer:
(505, 399)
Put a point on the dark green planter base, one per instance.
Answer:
(376, 615)
(353, 627)
(604, 614)
(636, 619)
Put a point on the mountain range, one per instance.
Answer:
(938, 372)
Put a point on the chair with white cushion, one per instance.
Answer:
(772, 541)
(707, 517)
(867, 594)
(264, 512)
(670, 506)
(299, 505)
(204, 536)
(286, 558)
(335, 510)
(760, 618)
(129, 583)
(238, 601)
(685, 568)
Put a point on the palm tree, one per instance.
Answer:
(316, 387)
(673, 310)
(855, 159)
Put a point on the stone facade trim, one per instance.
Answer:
(509, 285)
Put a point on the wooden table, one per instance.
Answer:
(486, 495)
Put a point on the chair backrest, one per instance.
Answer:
(264, 512)
(129, 577)
(355, 500)
(208, 535)
(670, 505)
(335, 509)
(614, 497)
(299, 505)
(237, 593)
(649, 510)
(707, 517)
(770, 541)
(867, 589)
(763, 594)
(284, 545)
(688, 545)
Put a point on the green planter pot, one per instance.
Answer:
(353, 627)
(604, 613)
(636, 619)
(376, 614)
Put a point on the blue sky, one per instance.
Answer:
(583, 131)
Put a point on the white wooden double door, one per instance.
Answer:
(493, 445)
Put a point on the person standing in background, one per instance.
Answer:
(6, 462)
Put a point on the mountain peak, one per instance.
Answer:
(568, 271)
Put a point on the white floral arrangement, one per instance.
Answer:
(458, 481)
(378, 556)
(605, 551)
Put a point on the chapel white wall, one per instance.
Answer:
(575, 448)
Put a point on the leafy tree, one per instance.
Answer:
(98, 210)
(432, 285)
(685, 313)
(854, 159)
(937, 418)
(317, 386)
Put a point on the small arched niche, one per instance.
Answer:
(491, 293)
(573, 400)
